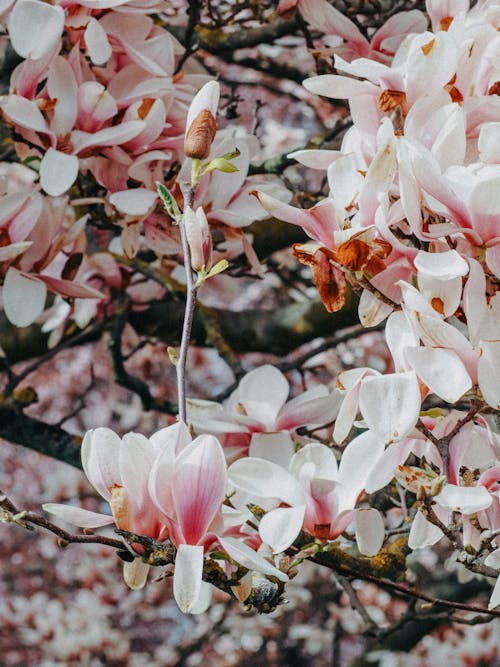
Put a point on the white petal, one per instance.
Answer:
(188, 576)
(464, 499)
(275, 447)
(390, 404)
(97, 43)
(247, 557)
(423, 533)
(261, 478)
(77, 516)
(493, 560)
(441, 370)
(136, 202)
(58, 172)
(488, 372)
(35, 28)
(135, 573)
(279, 527)
(495, 596)
(23, 297)
(370, 531)
(441, 265)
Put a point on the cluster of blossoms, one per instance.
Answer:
(410, 222)
(98, 106)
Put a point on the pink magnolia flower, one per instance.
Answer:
(315, 494)
(119, 469)
(257, 417)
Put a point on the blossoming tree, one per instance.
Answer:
(138, 207)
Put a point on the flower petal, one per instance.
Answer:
(188, 576)
(370, 531)
(77, 516)
(23, 297)
(280, 527)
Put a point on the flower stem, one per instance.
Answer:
(188, 194)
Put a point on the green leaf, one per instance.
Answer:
(169, 202)
(220, 164)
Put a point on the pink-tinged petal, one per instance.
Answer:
(188, 574)
(370, 531)
(464, 499)
(247, 557)
(95, 106)
(96, 40)
(275, 447)
(136, 202)
(71, 288)
(62, 88)
(26, 219)
(319, 222)
(396, 28)
(132, 84)
(262, 393)
(484, 206)
(489, 372)
(339, 87)
(13, 250)
(58, 172)
(329, 20)
(25, 113)
(135, 573)
(280, 527)
(315, 407)
(101, 460)
(495, 596)
(390, 404)
(110, 136)
(315, 159)
(359, 459)
(423, 533)
(78, 516)
(35, 28)
(441, 370)
(11, 204)
(199, 486)
(263, 479)
(23, 297)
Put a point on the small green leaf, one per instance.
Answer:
(172, 355)
(220, 164)
(168, 201)
(218, 268)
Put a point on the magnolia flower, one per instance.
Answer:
(119, 470)
(315, 494)
(258, 413)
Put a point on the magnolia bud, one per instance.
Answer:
(199, 238)
(201, 124)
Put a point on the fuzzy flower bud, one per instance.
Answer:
(201, 124)
(199, 238)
